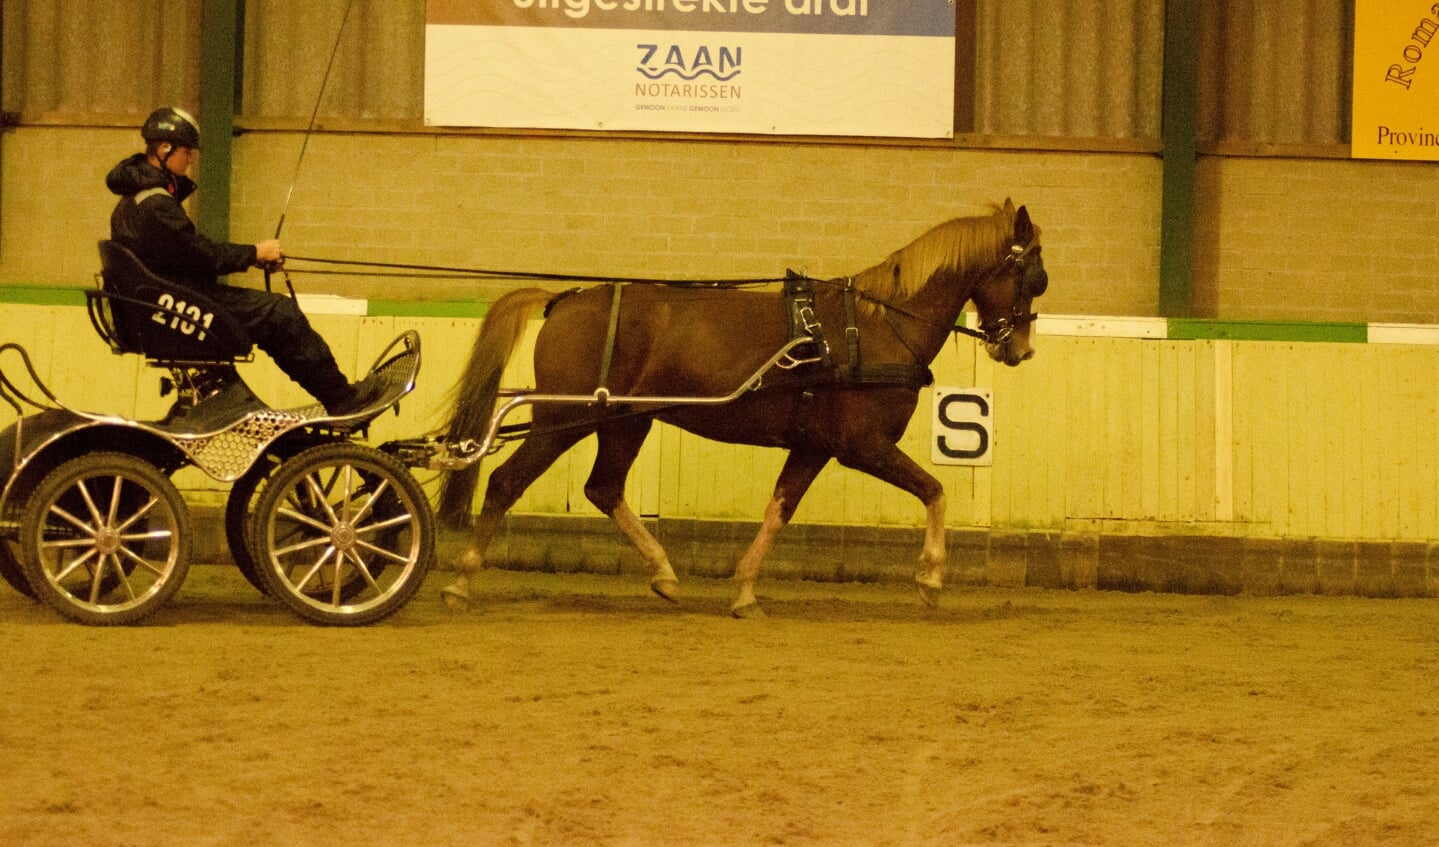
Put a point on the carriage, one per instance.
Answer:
(92, 524)
(340, 531)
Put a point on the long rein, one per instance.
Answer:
(402, 270)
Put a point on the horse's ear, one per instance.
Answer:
(1023, 227)
(1008, 206)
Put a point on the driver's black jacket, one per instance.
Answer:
(151, 222)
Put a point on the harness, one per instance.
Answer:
(802, 318)
(804, 323)
(800, 312)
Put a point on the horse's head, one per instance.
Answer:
(1005, 296)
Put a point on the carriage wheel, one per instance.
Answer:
(10, 568)
(345, 535)
(105, 539)
(239, 509)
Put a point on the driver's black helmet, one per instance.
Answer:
(173, 125)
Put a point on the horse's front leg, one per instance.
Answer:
(662, 575)
(795, 478)
(891, 465)
(930, 577)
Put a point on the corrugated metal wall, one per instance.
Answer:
(1078, 68)
(1276, 71)
(1075, 68)
(378, 71)
(1273, 71)
(83, 61)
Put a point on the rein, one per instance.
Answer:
(995, 332)
(449, 272)
(462, 273)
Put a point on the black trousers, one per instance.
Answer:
(278, 327)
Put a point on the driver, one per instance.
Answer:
(150, 221)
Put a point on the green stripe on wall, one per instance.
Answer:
(1190, 329)
(42, 296)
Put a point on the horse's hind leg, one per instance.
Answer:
(507, 482)
(795, 478)
(619, 444)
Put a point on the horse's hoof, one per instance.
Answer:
(669, 589)
(928, 595)
(748, 612)
(456, 599)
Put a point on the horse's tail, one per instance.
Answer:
(475, 394)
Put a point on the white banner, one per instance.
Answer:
(803, 67)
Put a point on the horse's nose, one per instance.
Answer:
(1015, 357)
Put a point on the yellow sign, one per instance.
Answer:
(1396, 80)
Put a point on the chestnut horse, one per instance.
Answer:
(875, 334)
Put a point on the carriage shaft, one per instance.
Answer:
(451, 456)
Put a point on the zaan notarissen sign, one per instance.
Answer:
(805, 67)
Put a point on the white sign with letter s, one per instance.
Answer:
(962, 430)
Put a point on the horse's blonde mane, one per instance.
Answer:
(954, 244)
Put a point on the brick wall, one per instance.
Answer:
(53, 202)
(1277, 238)
(695, 208)
(1318, 240)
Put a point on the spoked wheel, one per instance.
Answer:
(10, 568)
(345, 535)
(105, 539)
(239, 509)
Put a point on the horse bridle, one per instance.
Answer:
(1033, 280)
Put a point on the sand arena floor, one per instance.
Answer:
(581, 710)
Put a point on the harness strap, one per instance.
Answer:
(894, 327)
(851, 332)
(799, 419)
(804, 322)
(603, 391)
(909, 376)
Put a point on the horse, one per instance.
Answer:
(873, 336)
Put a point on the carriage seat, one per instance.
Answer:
(136, 311)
